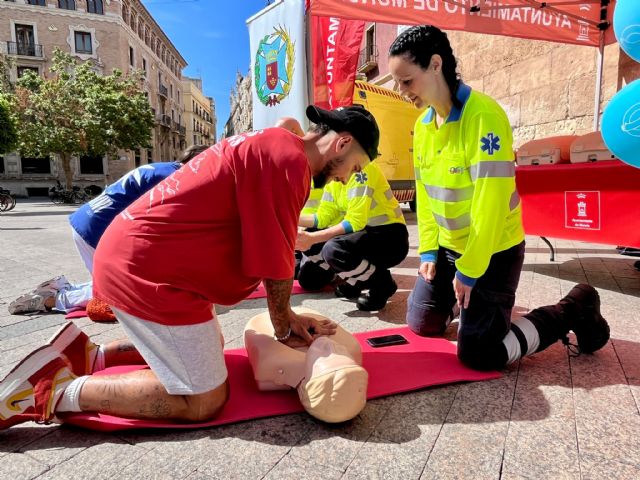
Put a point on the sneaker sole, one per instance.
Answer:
(64, 337)
(26, 369)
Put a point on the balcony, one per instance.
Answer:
(164, 120)
(176, 127)
(25, 49)
(183, 130)
(163, 91)
(368, 59)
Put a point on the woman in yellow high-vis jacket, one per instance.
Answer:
(471, 240)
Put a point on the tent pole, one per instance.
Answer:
(599, 73)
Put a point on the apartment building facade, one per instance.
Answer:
(199, 113)
(113, 34)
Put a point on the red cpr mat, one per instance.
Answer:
(259, 292)
(423, 362)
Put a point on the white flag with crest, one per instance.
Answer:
(278, 66)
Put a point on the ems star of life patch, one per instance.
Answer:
(490, 143)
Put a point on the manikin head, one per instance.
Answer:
(329, 378)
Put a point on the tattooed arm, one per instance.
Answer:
(283, 318)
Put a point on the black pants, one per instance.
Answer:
(487, 321)
(362, 259)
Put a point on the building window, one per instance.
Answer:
(95, 6)
(131, 57)
(144, 67)
(171, 89)
(67, 4)
(21, 69)
(149, 156)
(178, 94)
(41, 3)
(83, 42)
(91, 165)
(36, 165)
(137, 157)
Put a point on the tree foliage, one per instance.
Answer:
(8, 134)
(77, 111)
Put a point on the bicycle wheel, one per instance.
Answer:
(78, 197)
(5, 202)
(13, 202)
(58, 198)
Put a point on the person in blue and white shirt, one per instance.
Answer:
(88, 223)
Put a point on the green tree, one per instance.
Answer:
(77, 111)
(8, 134)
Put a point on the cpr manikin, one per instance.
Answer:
(328, 375)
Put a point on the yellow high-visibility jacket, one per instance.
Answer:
(313, 202)
(366, 200)
(465, 184)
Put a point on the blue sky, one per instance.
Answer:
(212, 37)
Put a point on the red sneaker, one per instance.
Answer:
(34, 387)
(74, 344)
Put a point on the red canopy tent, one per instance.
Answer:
(579, 22)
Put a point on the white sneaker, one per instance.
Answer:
(55, 284)
(30, 302)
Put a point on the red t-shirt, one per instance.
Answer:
(209, 233)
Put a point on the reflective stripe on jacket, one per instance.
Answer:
(366, 200)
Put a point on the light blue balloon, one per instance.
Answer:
(626, 26)
(621, 124)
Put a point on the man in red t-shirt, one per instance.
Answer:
(209, 233)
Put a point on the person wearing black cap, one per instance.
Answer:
(357, 233)
(207, 234)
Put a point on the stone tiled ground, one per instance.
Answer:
(550, 416)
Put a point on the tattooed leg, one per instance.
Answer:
(122, 352)
(140, 394)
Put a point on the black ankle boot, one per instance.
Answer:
(377, 296)
(581, 309)
(344, 290)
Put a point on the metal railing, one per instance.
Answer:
(164, 91)
(164, 120)
(368, 58)
(26, 49)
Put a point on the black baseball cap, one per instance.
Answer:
(356, 120)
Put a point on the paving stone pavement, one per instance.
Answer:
(549, 416)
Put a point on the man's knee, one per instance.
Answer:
(208, 405)
(311, 277)
(481, 355)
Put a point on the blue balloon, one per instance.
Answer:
(621, 124)
(626, 26)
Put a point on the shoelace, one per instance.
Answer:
(574, 350)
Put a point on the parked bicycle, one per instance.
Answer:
(7, 201)
(59, 194)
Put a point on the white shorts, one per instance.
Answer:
(187, 359)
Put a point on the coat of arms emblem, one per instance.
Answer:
(273, 68)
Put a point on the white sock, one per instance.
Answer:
(70, 401)
(98, 363)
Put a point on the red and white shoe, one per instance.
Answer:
(34, 387)
(76, 346)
